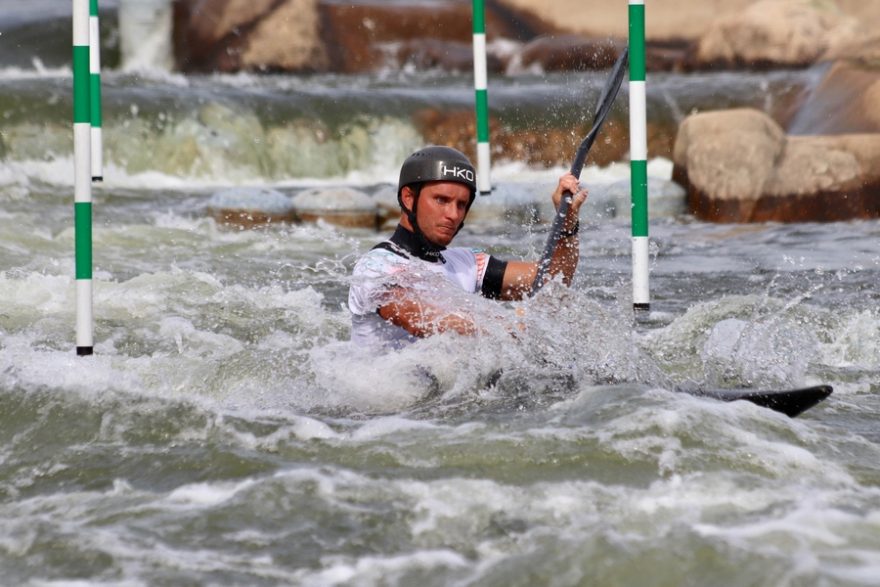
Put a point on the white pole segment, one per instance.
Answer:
(640, 270)
(84, 319)
(82, 141)
(97, 147)
(80, 23)
(638, 132)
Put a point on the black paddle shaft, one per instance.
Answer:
(606, 100)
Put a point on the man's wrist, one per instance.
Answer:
(572, 232)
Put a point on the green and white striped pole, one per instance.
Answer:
(95, 93)
(638, 141)
(481, 78)
(82, 206)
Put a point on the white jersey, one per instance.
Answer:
(390, 265)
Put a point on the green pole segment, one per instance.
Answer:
(638, 139)
(82, 207)
(82, 219)
(481, 78)
(97, 164)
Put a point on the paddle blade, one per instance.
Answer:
(603, 107)
(790, 402)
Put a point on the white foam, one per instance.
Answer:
(39, 71)
(854, 341)
(203, 495)
(86, 583)
(37, 292)
(186, 336)
(387, 426)
(380, 570)
(812, 521)
(22, 364)
(863, 569)
(360, 381)
(310, 429)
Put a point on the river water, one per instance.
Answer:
(224, 432)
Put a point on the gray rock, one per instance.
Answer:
(250, 206)
(341, 206)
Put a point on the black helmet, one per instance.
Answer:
(436, 163)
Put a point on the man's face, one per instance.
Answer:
(441, 210)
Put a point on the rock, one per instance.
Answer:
(788, 33)
(287, 40)
(739, 166)
(862, 50)
(723, 160)
(824, 179)
(340, 206)
(231, 35)
(248, 207)
(666, 20)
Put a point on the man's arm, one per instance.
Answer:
(519, 275)
(421, 319)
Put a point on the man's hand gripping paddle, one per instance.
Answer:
(606, 100)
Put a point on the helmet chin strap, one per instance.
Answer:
(429, 249)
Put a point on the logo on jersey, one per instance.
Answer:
(462, 173)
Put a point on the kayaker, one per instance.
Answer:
(437, 187)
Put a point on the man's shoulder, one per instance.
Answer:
(380, 257)
(462, 253)
(389, 247)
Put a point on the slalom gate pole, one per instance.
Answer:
(481, 77)
(638, 140)
(95, 93)
(82, 207)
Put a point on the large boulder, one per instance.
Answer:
(775, 33)
(739, 166)
(724, 159)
